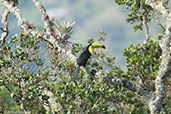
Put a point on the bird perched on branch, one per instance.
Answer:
(85, 55)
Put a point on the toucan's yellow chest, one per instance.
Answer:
(90, 49)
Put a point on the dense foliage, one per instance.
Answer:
(143, 62)
(31, 74)
(37, 77)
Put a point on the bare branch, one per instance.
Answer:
(5, 30)
(155, 103)
(12, 94)
(157, 20)
(23, 24)
(146, 28)
(129, 85)
(47, 38)
(164, 71)
(49, 25)
(14, 2)
(160, 7)
(2, 29)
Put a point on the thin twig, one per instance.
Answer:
(157, 20)
(13, 95)
(2, 29)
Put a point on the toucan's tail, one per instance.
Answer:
(76, 71)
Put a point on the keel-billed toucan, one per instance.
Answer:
(85, 55)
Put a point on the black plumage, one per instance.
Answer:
(82, 60)
(85, 55)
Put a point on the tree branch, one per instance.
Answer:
(12, 94)
(164, 71)
(14, 2)
(49, 25)
(160, 7)
(146, 28)
(47, 38)
(157, 20)
(51, 36)
(5, 30)
(155, 103)
(129, 85)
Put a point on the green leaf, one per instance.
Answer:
(130, 94)
(45, 97)
(103, 33)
